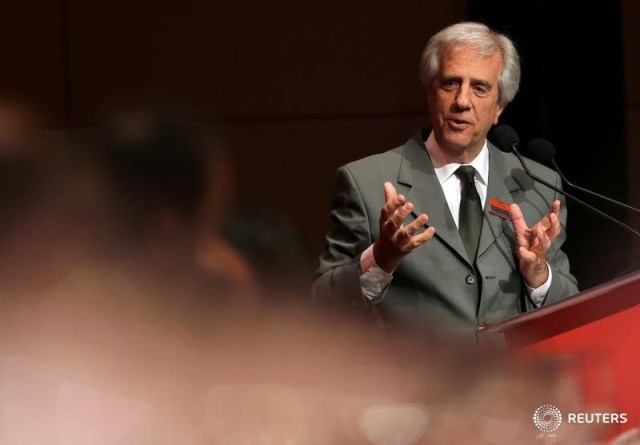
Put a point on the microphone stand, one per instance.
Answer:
(589, 192)
(568, 195)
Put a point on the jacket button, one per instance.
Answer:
(471, 279)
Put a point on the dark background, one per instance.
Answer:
(296, 89)
(572, 94)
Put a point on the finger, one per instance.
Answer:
(555, 208)
(401, 214)
(418, 223)
(541, 242)
(407, 237)
(423, 237)
(546, 222)
(394, 220)
(553, 220)
(554, 229)
(391, 200)
(389, 192)
(391, 206)
(519, 224)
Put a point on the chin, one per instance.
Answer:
(457, 143)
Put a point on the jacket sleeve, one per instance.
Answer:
(338, 276)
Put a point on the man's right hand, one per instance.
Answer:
(396, 239)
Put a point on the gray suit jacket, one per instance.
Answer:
(436, 283)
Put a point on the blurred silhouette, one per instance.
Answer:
(158, 184)
(280, 260)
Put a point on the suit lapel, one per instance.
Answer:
(500, 187)
(425, 192)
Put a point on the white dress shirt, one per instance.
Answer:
(373, 279)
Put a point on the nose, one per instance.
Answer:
(463, 99)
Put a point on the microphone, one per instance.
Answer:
(507, 140)
(543, 151)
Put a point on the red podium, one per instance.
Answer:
(600, 329)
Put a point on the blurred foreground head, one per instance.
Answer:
(155, 168)
(168, 184)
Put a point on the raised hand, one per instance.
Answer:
(533, 243)
(397, 239)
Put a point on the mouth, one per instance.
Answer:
(458, 124)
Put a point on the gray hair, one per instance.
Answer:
(487, 41)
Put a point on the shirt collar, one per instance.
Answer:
(445, 170)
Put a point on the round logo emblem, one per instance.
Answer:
(547, 418)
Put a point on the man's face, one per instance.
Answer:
(463, 100)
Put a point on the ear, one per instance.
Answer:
(499, 110)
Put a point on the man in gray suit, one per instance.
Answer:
(406, 245)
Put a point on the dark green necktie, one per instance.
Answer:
(470, 215)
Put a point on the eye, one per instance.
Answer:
(449, 84)
(481, 90)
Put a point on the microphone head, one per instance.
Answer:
(541, 150)
(505, 138)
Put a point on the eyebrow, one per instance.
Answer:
(482, 82)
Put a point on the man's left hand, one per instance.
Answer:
(533, 243)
